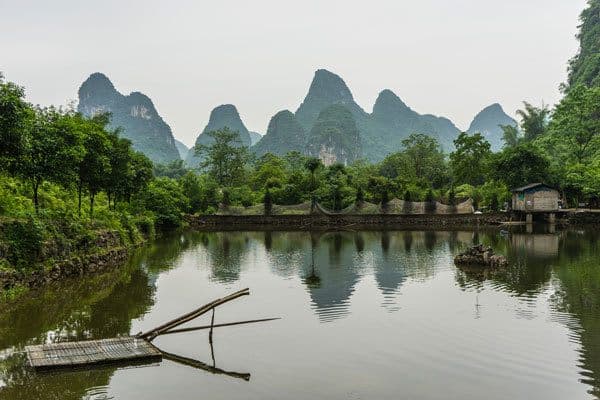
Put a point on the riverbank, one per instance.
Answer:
(107, 250)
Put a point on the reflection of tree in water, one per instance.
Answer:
(385, 242)
(313, 280)
(24, 384)
(285, 251)
(336, 273)
(430, 240)
(578, 294)
(226, 251)
(268, 241)
(571, 258)
(408, 238)
(403, 255)
(95, 307)
(359, 242)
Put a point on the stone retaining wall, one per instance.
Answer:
(374, 221)
(75, 266)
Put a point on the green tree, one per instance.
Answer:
(430, 203)
(190, 182)
(360, 196)
(452, 197)
(165, 198)
(268, 202)
(576, 120)
(225, 158)
(510, 135)
(15, 116)
(93, 170)
(425, 162)
(470, 161)
(312, 165)
(140, 173)
(175, 169)
(53, 149)
(584, 68)
(534, 120)
(520, 165)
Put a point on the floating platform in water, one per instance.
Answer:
(133, 349)
(91, 352)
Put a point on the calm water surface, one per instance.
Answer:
(366, 315)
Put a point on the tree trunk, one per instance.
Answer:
(36, 201)
(91, 205)
(79, 189)
(109, 197)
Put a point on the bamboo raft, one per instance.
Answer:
(91, 352)
(130, 349)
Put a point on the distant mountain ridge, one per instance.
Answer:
(284, 134)
(182, 149)
(488, 122)
(334, 137)
(135, 114)
(223, 116)
(380, 132)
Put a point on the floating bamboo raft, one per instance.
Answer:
(131, 348)
(91, 352)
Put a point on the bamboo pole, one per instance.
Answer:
(204, 327)
(151, 334)
(203, 366)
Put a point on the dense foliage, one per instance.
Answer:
(50, 160)
(584, 68)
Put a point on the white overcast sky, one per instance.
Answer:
(446, 57)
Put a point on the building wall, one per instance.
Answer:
(546, 200)
(538, 199)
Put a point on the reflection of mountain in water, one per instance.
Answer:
(334, 264)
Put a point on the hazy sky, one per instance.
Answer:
(446, 57)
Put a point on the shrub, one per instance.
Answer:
(430, 204)
(360, 196)
(165, 198)
(268, 201)
(24, 239)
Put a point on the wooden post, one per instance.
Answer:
(529, 218)
(212, 323)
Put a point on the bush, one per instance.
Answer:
(268, 201)
(360, 196)
(145, 225)
(165, 198)
(24, 239)
(430, 204)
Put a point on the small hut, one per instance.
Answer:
(536, 197)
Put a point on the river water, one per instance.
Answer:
(365, 315)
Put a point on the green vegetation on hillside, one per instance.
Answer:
(65, 180)
(584, 68)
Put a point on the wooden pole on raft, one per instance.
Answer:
(151, 334)
(204, 327)
(212, 323)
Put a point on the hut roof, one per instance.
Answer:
(531, 186)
